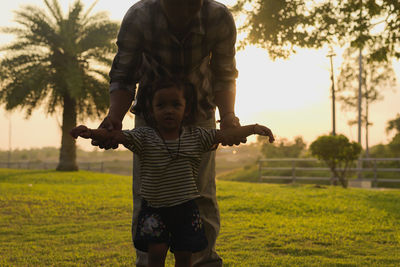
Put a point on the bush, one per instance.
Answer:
(338, 153)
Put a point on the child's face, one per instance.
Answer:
(169, 108)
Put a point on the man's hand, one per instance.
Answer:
(228, 121)
(265, 131)
(109, 123)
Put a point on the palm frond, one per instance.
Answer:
(95, 18)
(15, 63)
(27, 88)
(54, 100)
(12, 30)
(98, 35)
(17, 46)
(85, 16)
(99, 56)
(55, 9)
(74, 17)
(99, 73)
(96, 100)
(38, 28)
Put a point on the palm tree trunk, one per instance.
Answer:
(68, 149)
(366, 131)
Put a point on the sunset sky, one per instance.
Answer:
(292, 96)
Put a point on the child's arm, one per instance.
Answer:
(223, 136)
(100, 135)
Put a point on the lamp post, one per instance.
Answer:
(360, 83)
(331, 54)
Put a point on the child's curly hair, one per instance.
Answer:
(189, 94)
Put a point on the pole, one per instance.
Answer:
(331, 54)
(359, 163)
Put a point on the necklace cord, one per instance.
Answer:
(169, 151)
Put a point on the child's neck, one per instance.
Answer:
(169, 134)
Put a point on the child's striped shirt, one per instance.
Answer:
(168, 176)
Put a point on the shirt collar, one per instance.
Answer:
(196, 24)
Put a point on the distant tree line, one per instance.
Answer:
(298, 148)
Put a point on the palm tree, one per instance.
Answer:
(60, 62)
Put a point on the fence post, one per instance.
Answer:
(293, 171)
(375, 183)
(259, 170)
(359, 169)
(102, 166)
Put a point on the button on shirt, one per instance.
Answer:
(148, 49)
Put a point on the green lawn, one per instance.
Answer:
(49, 218)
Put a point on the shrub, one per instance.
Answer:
(338, 153)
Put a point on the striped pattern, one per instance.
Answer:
(167, 180)
(147, 49)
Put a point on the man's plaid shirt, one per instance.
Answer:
(147, 49)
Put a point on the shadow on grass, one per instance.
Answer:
(385, 201)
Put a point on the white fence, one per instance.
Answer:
(123, 167)
(373, 169)
(95, 166)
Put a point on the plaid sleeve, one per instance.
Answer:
(125, 68)
(135, 140)
(223, 64)
(207, 139)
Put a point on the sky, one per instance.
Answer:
(292, 96)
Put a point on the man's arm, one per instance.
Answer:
(223, 67)
(225, 101)
(120, 102)
(123, 74)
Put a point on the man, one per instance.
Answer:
(189, 38)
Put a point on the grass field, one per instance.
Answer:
(49, 218)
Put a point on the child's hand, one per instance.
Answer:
(81, 131)
(262, 130)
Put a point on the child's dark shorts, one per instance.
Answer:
(180, 227)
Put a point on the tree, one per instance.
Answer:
(60, 62)
(394, 125)
(282, 148)
(376, 76)
(394, 145)
(281, 26)
(338, 153)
